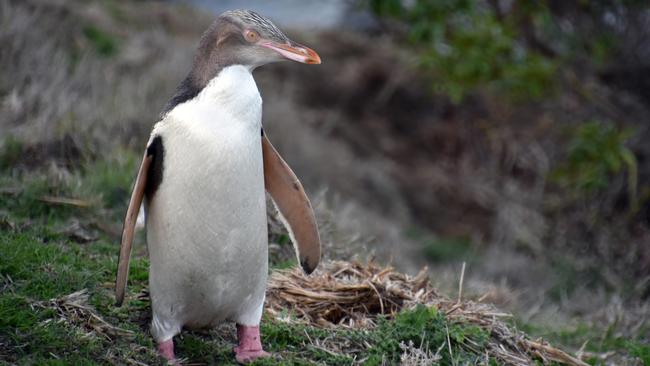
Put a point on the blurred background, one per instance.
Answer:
(509, 135)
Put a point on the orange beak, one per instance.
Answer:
(293, 51)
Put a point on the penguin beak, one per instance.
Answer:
(293, 51)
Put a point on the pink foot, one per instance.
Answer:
(250, 347)
(166, 350)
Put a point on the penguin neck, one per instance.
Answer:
(231, 95)
(233, 89)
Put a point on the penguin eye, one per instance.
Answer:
(251, 35)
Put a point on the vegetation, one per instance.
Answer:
(467, 45)
(58, 267)
(515, 49)
(596, 154)
(56, 307)
(104, 44)
(56, 304)
(538, 111)
(595, 342)
(529, 162)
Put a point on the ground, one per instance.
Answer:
(393, 172)
(59, 245)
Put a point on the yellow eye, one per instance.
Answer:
(251, 35)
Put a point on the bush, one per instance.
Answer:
(515, 48)
(596, 154)
(466, 45)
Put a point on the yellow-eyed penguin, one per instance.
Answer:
(203, 178)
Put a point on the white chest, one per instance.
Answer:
(230, 101)
(212, 146)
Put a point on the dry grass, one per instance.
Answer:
(74, 310)
(347, 294)
(354, 295)
(55, 84)
(416, 356)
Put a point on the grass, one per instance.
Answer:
(42, 263)
(39, 264)
(596, 341)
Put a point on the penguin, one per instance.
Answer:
(202, 184)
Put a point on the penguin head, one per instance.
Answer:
(244, 37)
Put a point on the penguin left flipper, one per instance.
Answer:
(294, 206)
(129, 226)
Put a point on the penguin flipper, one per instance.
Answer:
(294, 206)
(129, 227)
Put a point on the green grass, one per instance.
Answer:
(103, 185)
(39, 262)
(595, 340)
(35, 270)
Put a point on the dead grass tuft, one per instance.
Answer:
(74, 310)
(347, 294)
(354, 295)
(416, 356)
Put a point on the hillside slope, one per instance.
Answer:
(393, 171)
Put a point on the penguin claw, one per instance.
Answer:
(248, 356)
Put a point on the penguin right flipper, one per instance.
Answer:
(129, 225)
(294, 206)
